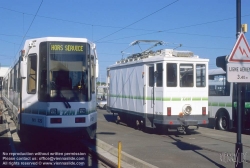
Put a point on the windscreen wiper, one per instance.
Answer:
(67, 105)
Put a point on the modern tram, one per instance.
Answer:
(51, 88)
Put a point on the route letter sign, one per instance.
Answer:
(238, 66)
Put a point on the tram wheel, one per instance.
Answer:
(223, 122)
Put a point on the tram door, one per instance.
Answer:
(245, 114)
(149, 95)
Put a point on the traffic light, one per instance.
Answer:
(221, 62)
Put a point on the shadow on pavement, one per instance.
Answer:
(186, 146)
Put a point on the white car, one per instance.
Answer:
(102, 104)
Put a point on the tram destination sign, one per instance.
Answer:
(238, 72)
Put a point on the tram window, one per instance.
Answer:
(6, 87)
(18, 79)
(32, 73)
(43, 65)
(186, 75)
(151, 76)
(200, 75)
(0, 85)
(15, 78)
(11, 87)
(92, 73)
(171, 74)
(159, 75)
(218, 86)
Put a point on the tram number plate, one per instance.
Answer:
(39, 120)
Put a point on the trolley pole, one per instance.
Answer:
(240, 94)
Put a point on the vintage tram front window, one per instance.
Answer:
(66, 72)
(200, 75)
(186, 75)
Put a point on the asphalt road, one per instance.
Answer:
(204, 148)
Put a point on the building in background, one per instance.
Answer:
(3, 71)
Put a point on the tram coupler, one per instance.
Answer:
(182, 129)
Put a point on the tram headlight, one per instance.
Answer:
(53, 111)
(82, 111)
(187, 109)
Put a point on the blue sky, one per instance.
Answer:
(205, 27)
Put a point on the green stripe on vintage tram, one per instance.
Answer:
(196, 98)
(166, 99)
(162, 98)
(176, 99)
(158, 98)
(187, 99)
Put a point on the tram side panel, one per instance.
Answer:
(126, 92)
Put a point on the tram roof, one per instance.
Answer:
(216, 71)
(69, 39)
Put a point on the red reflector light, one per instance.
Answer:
(55, 120)
(80, 120)
(203, 110)
(170, 122)
(169, 111)
(204, 122)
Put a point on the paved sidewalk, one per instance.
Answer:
(5, 136)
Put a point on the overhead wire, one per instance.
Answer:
(30, 25)
(154, 31)
(71, 21)
(137, 21)
(127, 27)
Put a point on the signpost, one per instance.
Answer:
(238, 70)
(238, 66)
